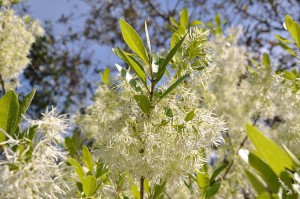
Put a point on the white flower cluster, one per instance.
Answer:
(16, 37)
(33, 168)
(159, 146)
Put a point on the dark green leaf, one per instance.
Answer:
(143, 102)
(168, 112)
(218, 171)
(134, 66)
(163, 65)
(133, 40)
(158, 190)
(173, 86)
(255, 182)
(128, 78)
(212, 190)
(265, 171)
(190, 116)
(8, 113)
(24, 107)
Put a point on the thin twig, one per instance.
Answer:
(142, 188)
(2, 84)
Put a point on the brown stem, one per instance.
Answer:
(142, 187)
(2, 84)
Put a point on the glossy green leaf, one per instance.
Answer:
(89, 185)
(289, 75)
(135, 191)
(24, 107)
(269, 151)
(139, 71)
(87, 159)
(148, 38)
(143, 102)
(203, 180)
(133, 40)
(105, 75)
(8, 113)
(78, 168)
(163, 65)
(128, 78)
(217, 172)
(255, 182)
(184, 18)
(190, 116)
(265, 171)
(293, 28)
(173, 86)
(282, 39)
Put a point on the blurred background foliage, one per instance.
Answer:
(66, 71)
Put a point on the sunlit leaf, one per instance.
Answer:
(133, 40)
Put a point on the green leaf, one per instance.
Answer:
(212, 190)
(265, 195)
(289, 75)
(184, 18)
(196, 23)
(133, 40)
(147, 37)
(89, 185)
(203, 180)
(265, 171)
(24, 107)
(269, 151)
(293, 28)
(287, 48)
(78, 168)
(282, 39)
(8, 113)
(137, 68)
(173, 86)
(143, 102)
(255, 182)
(190, 116)
(87, 159)
(266, 60)
(174, 22)
(158, 190)
(218, 171)
(129, 79)
(105, 75)
(168, 112)
(163, 65)
(135, 191)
